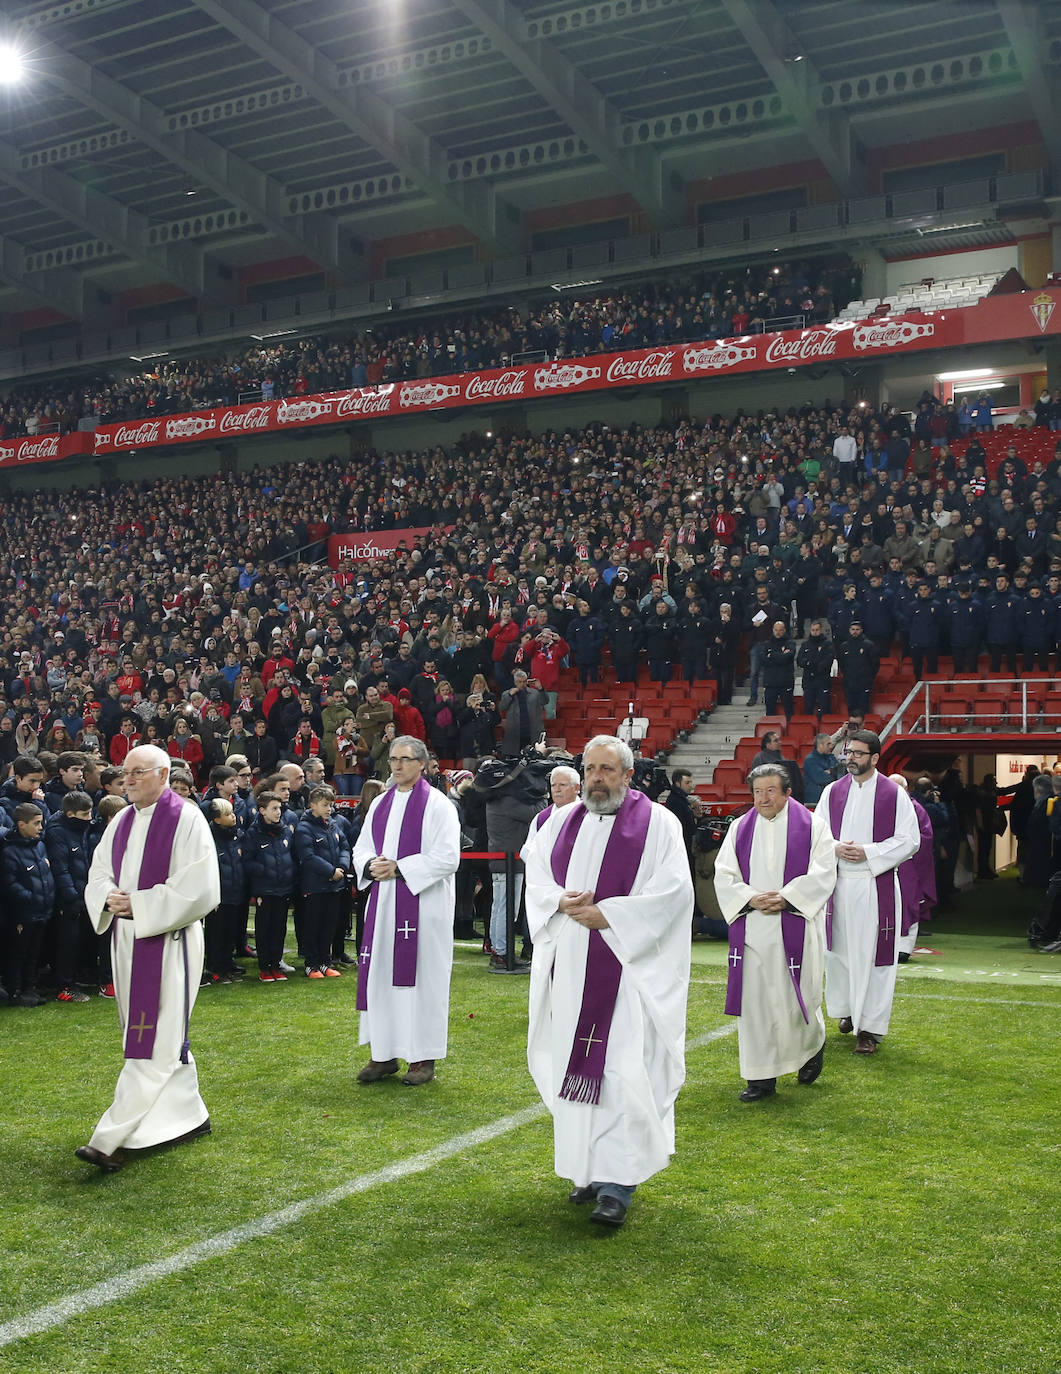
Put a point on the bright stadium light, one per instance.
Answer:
(12, 64)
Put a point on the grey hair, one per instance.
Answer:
(626, 755)
(564, 770)
(818, 739)
(771, 770)
(1042, 786)
(416, 747)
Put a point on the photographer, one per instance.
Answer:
(523, 708)
(477, 721)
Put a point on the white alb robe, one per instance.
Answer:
(156, 1099)
(772, 1036)
(629, 1135)
(412, 1023)
(854, 985)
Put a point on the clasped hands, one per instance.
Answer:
(852, 853)
(380, 868)
(581, 907)
(119, 903)
(771, 903)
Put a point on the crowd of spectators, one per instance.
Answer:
(718, 305)
(197, 612)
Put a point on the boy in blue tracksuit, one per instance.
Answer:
(323, 860)
(221, 923)
(68, 842)
(272, 872)
(29, 894)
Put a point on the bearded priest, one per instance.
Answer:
(774, 875)
(609, 905)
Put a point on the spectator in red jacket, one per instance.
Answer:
(545, 666)
(126, 739)
(187, 747)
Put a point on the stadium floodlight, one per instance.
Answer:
(12, 64)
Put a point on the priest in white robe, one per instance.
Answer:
(774, 875)
(875, 830)
(609, 905)
(408, 853)
(154, 876)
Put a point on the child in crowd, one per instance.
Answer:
(222, 921)
(323, 859)
(110, 805)
(68, 842)
(29, 893)
(269, 863)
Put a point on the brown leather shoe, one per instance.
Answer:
(422, 1071)
(845, 1025)
(376, 1069)
(866, 1043)
(110, 1164)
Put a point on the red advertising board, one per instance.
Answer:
(1027, 314)
(371, 544)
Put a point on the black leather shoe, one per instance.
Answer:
(110, 1164)
(609, 1211)
(376, 1069)
(755, 1092)
(813, 1067)
(580, 1195)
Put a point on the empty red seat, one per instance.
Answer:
(989, 712)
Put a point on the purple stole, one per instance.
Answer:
(885, 801)
(145, 984)
(543, 816)
(793, 927)
(917, 875)
(618, 870)
(406, 905)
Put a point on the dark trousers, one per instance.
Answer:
(588, 672)
(724, 678)
(221, 923)
(999, 652)
(857, 698)
(774, 696)
(817, 696)
(659, 669)
(342, 925)
(22, 955)
(625, 669)
(922, 656)
(1042, 654)
(67, 943)
(965, 656)
(270, 930)
(694, 669)
(320, 912)
(239, 929)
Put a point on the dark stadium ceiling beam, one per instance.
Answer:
(232, 178)
(59, 289)
(795, 79)
(182, 265)
(408, 148)
(1024, 29)
(585, 111)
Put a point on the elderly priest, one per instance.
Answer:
(154, 876)
(774, 875)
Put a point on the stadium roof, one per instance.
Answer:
(169, 141)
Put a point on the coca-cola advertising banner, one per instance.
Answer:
(1018, 316)
(344, 548)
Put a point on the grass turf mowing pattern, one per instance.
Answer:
(893, 1217)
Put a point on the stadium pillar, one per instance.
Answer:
(675, 404)
(228, 459)
(1053, 365)
(874, 273)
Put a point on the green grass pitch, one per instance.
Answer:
(899, 1215)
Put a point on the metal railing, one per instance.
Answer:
(924, 709)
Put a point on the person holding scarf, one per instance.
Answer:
(774, 875)
(875, 829)
(609, 901)
(153, 878)
(407, 853)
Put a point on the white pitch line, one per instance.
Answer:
(123, 1285)
(979, 1001)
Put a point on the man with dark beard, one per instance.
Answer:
(609, 900)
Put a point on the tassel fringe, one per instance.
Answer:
(578, 1088)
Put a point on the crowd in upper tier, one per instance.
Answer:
(710, 305)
